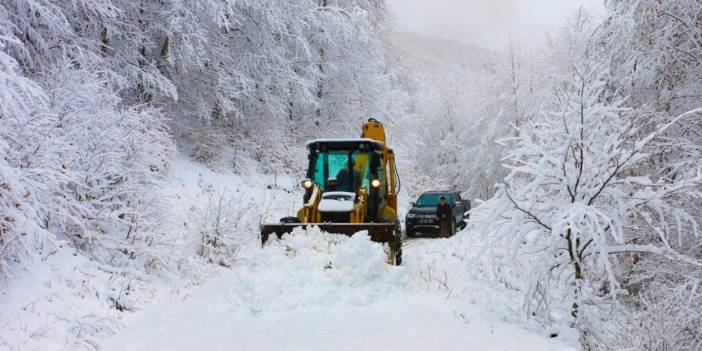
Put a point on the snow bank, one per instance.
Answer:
(63, 300)
(317, 291)
(317, 269)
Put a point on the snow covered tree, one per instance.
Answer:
(587, 216)
(573, 202)
(653, 51)
(77, 163)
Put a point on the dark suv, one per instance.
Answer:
(421, 218)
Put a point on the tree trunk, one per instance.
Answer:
(320, 82)
(575, 312)
(515, 84)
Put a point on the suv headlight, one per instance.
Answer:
(411, 215)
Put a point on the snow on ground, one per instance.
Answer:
(60, 300)
(310, 291)
(63, 300)
(315, 291)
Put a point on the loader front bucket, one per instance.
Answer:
(378, 232)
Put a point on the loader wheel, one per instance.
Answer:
(398, 244)
(398, 253)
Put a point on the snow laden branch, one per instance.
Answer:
(576, 201)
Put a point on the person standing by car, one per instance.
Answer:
(443, 213)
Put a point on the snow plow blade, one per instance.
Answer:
(378, 232)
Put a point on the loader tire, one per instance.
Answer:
(398, 243)
(398, 254)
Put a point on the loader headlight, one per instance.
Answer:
(307, 184)
(376, 183)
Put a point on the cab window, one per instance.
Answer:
(341, 170)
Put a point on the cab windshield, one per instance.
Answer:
(341, 170)
(432, 200)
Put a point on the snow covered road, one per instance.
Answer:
(322, 292)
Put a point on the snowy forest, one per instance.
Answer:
(143, 142)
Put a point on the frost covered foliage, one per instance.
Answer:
(219, 223)
(263, 71)
(18, 94)
(77, 163)
(469, 97)
(284, 71)
(210, 145)
(441, 80)
(597, 220)
(78, 166)
(78, 170)
(654, 50)
(511, 89)
(116, 164)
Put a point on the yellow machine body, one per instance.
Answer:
(351, 186)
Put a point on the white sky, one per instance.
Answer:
(489, 23)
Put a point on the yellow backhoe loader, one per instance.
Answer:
(351, 186)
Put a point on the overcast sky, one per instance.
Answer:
(489, 23)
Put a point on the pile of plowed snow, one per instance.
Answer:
(311, 268)
(318, 291)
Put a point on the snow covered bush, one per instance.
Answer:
(594, 236)
(653, 49)
(116, 170)
(19, 179)
(79, 170)
(209, 146)
(219, 223)
(575, 207)
(90, 169)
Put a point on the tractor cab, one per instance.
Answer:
(351, 186)
(346, 173)
(344, 165)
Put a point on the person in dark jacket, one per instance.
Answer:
(347, 181)
(443, 213)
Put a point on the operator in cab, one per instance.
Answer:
(443, 213)
(347, 181)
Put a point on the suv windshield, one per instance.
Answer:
(428, 200)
